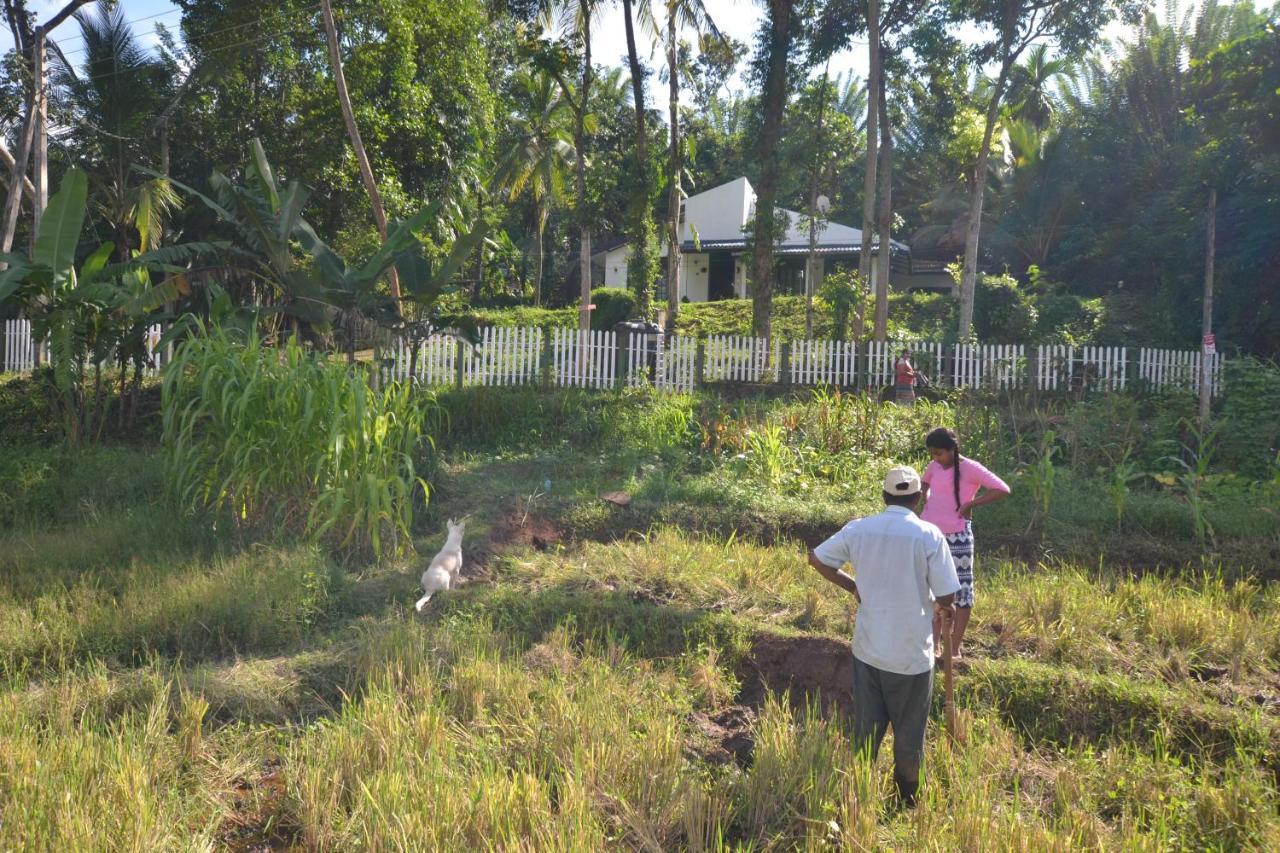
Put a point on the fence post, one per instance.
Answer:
(700, 364)
(545, 357)
(457, 361)
(784, 363)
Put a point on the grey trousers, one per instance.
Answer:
(881, 699)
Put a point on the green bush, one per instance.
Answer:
(613, 306)
(1003, 313)
(283, 440)
(1249, 437)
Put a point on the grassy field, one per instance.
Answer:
(669, 675)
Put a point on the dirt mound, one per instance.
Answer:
(809, 667)
(724, 736)
(516, 528)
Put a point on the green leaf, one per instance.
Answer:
(94, 264)
(61, 224)
(13, 277)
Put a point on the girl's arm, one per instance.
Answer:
(988, 496)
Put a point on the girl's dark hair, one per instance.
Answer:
(946, 439)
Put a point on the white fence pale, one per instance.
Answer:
(584, 359)
(738, 359)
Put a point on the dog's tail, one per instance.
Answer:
(422, 602)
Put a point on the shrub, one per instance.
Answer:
(613, 305)
(284, 440)
(1003, 313)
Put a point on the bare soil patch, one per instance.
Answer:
(806, 668)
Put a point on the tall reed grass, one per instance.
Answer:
(283, 441)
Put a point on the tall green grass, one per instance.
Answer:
(283, 441)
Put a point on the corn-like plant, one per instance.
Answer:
(283, 440)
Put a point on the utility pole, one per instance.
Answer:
(1208, 346)
(40, 168)
(362, 157)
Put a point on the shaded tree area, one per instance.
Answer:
(1098, 161)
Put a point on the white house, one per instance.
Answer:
(715, 256)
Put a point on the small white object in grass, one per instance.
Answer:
(446, 567)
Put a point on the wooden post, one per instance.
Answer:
(784, 363)
(544, 368)
(40, 167)
(459, 354)
(700, 364)
(1206, 317)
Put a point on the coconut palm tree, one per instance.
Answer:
(110, 104)
(541, 155)
(1030, 98)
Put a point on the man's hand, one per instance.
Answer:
(946, 605)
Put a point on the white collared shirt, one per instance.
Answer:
(901, 564)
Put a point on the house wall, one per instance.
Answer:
(615, 267)
(694, 276)
(718, 213)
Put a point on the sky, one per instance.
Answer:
(737, 18)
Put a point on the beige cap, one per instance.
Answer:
(902, 480)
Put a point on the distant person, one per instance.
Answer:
(902, 573)
(951, 492)
(904, 381)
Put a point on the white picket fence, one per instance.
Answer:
(731, 358)
(584, 359)
(20, 349)
(570, 358)
(824, 363)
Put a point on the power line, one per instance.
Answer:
(202, 36)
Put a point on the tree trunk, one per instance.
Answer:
(10, 164)
(774, 99)
(537, 281)
(1206, 315)
(580, 176)
(811, 268)
(884, 219)
(362, 157)
(673, 203)
(13, 200)
(969, 279)
(639, 269)
(872, 157)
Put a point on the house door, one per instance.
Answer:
(720, 276)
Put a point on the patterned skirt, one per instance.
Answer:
(961, 545)
(904, 394)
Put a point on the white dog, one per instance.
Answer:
(446, 567)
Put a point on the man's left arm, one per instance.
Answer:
(836, 576)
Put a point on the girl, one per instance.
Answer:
(950, 486)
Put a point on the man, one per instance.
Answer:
(903, 569)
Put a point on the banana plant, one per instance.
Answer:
(89, 313)
(267, 219)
